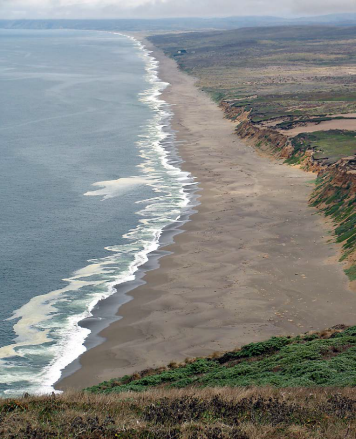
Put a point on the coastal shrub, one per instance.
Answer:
(351, 331)
(254, 349)
(339, 204)
(225, 413)
(319, 359)
(294, 159)
(178, 375)
(351, 271)
(185, 382)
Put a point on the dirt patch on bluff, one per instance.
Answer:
(336, 124)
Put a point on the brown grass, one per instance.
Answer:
(243, 413)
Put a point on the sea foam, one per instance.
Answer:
(47, 327)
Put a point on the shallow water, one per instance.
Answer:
(87, 185)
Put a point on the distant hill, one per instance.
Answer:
(178, 24)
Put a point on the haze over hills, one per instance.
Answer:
(222, 340)
(291, 90)
(177, 23)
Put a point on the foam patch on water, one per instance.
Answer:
(48, 334)
(114, 188)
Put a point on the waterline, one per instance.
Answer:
(48, 334)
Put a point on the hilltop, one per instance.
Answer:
(212, 397)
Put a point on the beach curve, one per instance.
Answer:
(253, 262)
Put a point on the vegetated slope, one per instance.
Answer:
(283, 74)
(273, 80)
(200, 414)
(313, 359)
(211, 398)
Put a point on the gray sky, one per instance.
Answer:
(168, 8)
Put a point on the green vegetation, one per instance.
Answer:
(331, 145)
(326, 359)
(211, 398)
(289, 70)
(351, 273)
(279, 78)
(282, 388)
(338, 203)
(284, 75)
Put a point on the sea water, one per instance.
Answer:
(87, 184)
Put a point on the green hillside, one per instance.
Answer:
(284, 388)
(325, 359)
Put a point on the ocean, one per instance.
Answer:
(89, 180)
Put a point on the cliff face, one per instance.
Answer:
(265, 138)
(234, 113)
(335, 191)
(335, 196)
(344, 174)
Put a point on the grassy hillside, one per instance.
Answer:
(325, 359)
(330, 145)
(211, 398)
(289, 74)
(203, 414)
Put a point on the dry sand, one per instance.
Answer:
(337, 124)
(252, 263)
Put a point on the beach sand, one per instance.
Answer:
(252, 263)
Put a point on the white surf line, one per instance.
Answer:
(41, 308)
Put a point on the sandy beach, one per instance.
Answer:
(253, 262)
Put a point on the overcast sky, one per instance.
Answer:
(168, 8)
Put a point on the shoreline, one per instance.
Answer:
(106, 311)
(238, 272)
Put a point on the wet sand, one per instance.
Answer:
(253, 262)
